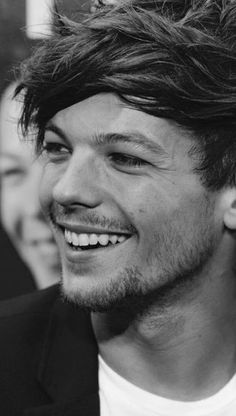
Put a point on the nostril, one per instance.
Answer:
(77, 194)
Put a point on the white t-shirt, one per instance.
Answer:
(119, 397)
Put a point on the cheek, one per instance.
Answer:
(163, 216)
(148, 207)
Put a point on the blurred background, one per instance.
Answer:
(23, 24)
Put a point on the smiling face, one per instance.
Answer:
(130, 215)
(21, 214)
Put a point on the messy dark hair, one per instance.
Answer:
(174, 59)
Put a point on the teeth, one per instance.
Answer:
(113, 239)
(121, 239)
(103, 239)
(93, 239)
(84, 240)
(68, 236)
(75, 239)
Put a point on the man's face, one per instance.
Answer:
(130, 215)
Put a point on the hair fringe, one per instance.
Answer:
(170, 58)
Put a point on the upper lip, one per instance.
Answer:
(88, 229)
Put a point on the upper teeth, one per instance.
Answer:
(82, 240)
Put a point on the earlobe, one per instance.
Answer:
(230, 211)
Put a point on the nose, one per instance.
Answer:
(80, 184)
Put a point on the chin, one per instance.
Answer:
(123, 294)
(84, 293)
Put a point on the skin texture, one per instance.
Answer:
(21, 214)
(163, 297)
(88, 185)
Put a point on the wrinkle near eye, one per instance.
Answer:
(132, 138)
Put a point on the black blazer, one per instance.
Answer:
(48, 358)
(16, 279)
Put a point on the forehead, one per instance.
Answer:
(106, 113)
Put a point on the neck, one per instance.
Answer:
(186, 351)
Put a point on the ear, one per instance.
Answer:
(230, 209)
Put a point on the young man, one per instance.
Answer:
(135, 114)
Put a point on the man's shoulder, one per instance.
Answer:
(39, 302)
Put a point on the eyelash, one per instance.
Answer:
(128, 160)
(53, 148)
(118, 158)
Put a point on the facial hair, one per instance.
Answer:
(180, 252)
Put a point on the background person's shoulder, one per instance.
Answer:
(37, 302)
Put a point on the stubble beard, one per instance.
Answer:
(173, 269)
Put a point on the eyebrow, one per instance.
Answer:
(131, 137)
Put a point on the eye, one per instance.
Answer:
(54, 150)
(125, 160)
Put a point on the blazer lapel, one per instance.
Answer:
(68, 369)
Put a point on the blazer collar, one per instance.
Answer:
(69, 365)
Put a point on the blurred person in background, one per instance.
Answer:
(21, 215)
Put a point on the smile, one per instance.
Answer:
(86, 241)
